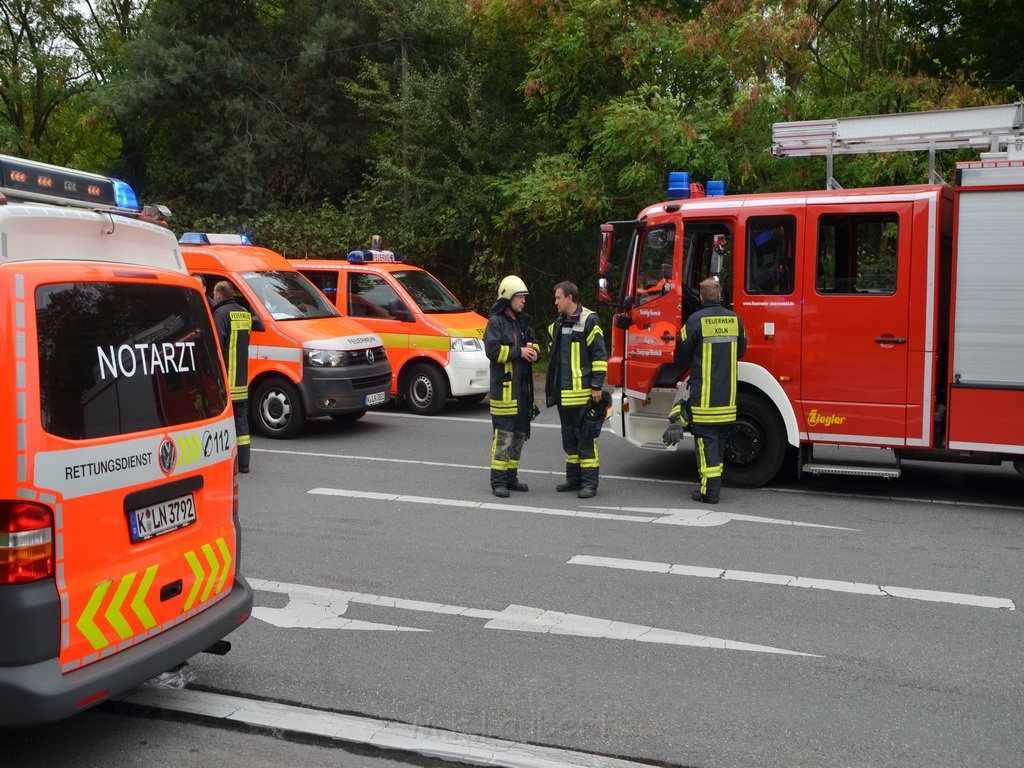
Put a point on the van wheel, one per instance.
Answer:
(755, 446)
(278, 412)
(425, 390)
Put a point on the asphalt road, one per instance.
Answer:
(834, 622)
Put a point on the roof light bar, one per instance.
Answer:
(367, 255)
(31, 181)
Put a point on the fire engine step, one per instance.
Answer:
(850, 460)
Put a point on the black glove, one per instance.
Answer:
(673, 434)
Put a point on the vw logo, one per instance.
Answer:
(369, 356)
(168, 455)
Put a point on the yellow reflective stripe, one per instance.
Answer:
(575, 396)
(113, 612)
(85, 623)
(596, 331)
(197, 573)
(211, 559)
(503, 353)
(575, 369)
(393, 340)
(439, 343)
(138, 603)
(468, 332)
(226, 557)
(599, 366)
(705, 394)
(732, 371)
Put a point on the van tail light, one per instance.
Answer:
(26, 542)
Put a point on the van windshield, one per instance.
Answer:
(116, 358)
(289, 296)
(433, 298)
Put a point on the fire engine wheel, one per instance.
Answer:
(755, 447)
(425, 390)
(278, 412)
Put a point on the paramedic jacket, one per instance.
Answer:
(511, 377)
(233, 324)
(710, 343)
(578, 359)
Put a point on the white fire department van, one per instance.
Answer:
(883, 324)
(119, 535)
(435, 344)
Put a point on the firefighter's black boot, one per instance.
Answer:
(243, 458)
(499, 483)
(588, 483)
(514, 484)
(572, 479)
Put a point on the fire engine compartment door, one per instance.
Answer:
(986, 398)
(653, 288)
(855, 345)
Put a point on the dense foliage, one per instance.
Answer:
(479, 137)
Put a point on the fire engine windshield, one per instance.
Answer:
(431, 296)
(289, 296)
(116, 358)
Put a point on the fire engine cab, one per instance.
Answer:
(883, 324)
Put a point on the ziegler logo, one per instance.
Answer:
(815, 419)
(168, 454)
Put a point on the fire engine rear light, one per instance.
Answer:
(26, 542)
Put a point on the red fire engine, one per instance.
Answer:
(883, 323)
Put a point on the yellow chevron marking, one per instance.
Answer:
(113, 612)
(138, 603)
(197, 572)
(190, 448)
(226, 557)
(85, 622)
(211, 558)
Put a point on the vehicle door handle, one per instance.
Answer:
(666, 336)
(890, 340)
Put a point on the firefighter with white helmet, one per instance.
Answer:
(508, 345)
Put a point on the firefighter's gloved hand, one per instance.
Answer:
(674, 433)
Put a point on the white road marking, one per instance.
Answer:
(632, 479)
(383, 734)
(853, 587)
(516, 618)
(663, 515)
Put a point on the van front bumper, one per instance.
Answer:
(345, 389)
(468, 373)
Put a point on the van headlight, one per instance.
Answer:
(327, 358)
(470, 344)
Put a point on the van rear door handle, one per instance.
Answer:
(890, 340)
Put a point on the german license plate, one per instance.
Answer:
(158, 519)
(376, 398)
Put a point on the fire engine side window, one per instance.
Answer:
(655, 263)
(857, 254)
(707, 248)
(369, 295)
(117, 358)
(770, 254)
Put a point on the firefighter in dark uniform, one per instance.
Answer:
(233, 324)
(508, 345)
(712, 340)
(575, 379)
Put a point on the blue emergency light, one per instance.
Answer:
(679, 185)
(213, 238)
(124, 195)
(367, 255)
(716, 189)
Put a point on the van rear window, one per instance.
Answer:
(116, 358)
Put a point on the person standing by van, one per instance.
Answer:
(233, 324)
(507, 343)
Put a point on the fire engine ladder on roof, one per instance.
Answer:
(996, 131)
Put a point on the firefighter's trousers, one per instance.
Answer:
(241, 412)
(506, 448)
(709, 442)
(582, 463)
